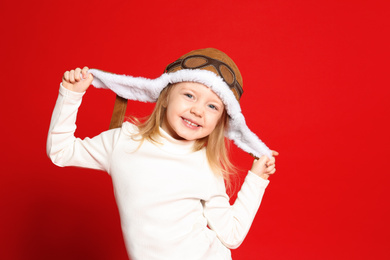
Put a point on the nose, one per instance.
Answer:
(197, 110)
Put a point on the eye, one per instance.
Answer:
(189, 95)
(213, 107)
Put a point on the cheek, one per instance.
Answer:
(175, 105)
(173, 110)
(169, 115)
(214, 120)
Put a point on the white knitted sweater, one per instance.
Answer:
(171, 204)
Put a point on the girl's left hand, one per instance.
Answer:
(264, 166)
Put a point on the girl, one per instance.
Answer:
(169, 173)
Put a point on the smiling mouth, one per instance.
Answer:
(190, 123)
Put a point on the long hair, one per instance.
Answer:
(217, 145)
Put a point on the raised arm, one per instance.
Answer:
(63, 148)
(232, 222)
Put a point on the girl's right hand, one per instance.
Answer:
(77, 80)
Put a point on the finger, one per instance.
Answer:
(270, 164)
(71, 76)
(271, 161)
(274, 153)
(84, 72)
(77, 73)
(66, 76)
(89, 78)
(270, 171)
(270, 168)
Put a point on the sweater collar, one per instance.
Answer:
(173, 145)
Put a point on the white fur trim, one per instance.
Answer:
(148, 90)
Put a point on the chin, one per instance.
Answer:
(187, 138)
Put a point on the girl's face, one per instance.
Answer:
(192, 111)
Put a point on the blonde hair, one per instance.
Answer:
(217, 145)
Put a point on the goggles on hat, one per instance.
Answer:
(201, 61)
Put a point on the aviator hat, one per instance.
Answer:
(210, 67)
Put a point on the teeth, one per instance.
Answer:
(190, 122)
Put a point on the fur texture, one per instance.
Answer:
(148, 90)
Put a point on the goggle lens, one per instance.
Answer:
(227, 74)
(195, 62)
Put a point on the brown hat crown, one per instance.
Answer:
(212, 60)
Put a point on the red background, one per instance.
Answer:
(316, 89)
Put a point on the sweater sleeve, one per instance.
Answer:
(232, 222)
(64, 149)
